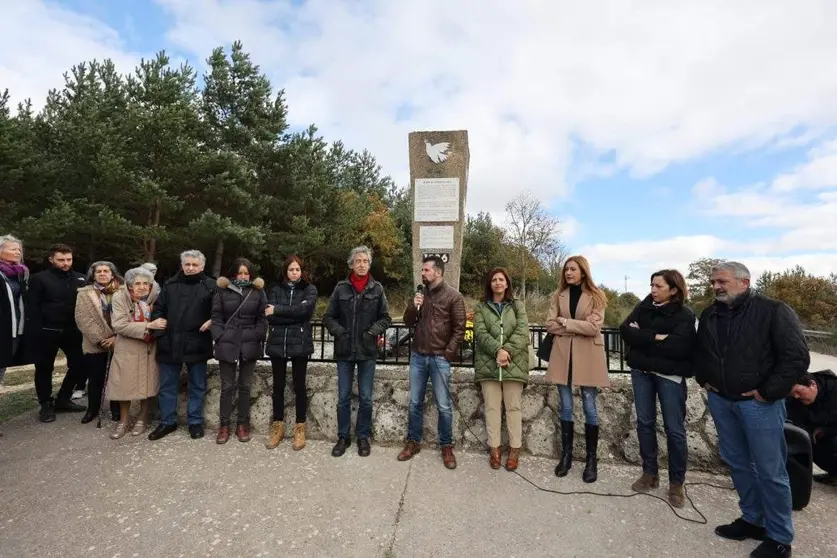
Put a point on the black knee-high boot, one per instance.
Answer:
(591, 436)
(566, 449)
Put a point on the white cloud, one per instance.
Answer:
(820, 171)
(665, 83)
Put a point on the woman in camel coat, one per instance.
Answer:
(133, 371)
(575, 318)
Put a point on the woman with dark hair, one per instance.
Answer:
(659, 333)
(239, 329)
(94, 308)
(575, 318)
(291, 305)
(501, 363)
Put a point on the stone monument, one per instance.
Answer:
(438, 186)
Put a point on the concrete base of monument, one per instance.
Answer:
(618, 441)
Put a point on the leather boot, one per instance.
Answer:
(514, 458)
(299, 436)
(566, 462)
(494, 457)
(242, 432)
(223, 434)
(277, 433)
(591, 436)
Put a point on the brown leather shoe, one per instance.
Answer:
(277, 433)
(646, 482)
(299, 436)
(494, 457)
(676, 495)
(514, 458)
(409, 450)
(223, 435)
(448, 457)
(242, 432)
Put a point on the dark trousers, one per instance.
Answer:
(825, 454)
(96, 366)
(50, 342)
(647, 388)
(299, 370)
(229, 386)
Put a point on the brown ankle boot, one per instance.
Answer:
(646, 482)
(277, 432)
(514, 458)
(494, 457)
(410, 449)
(448, 458)
(223, 435)
(676, 495)
(299, 436)
(242, 432)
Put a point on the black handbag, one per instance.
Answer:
(545, 347)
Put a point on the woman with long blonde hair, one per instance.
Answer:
(575, 318)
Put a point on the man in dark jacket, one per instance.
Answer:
(749, 353)
(812, 406)
(438, 315)
(185, 303)
(50, 307)
(357, 314)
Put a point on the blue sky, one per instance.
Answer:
(658, 135)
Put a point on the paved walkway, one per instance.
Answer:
(68, 490)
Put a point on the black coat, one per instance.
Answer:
(290, 331)
(186, 303)
(357, 319)
(670, 356)
(765, 349)
(51, 300)
(822, 413)
(239, 334)
(11, 315)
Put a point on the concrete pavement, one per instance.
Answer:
(68, 490)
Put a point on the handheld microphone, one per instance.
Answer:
(419, 290)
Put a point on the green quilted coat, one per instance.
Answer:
(493, 332)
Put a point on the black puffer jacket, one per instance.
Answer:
(12, 321)
(822, 413)
(357, 319)
(51, 300)
(186, 303)
(290, 332)
(765, 349)
(239, 334)
(669, 356)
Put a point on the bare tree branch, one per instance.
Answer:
(533, 232)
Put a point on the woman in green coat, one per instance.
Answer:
(501, 363)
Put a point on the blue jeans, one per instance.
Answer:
(588, 402)
(647, 387)
(365, 383)
(167, 398)
(751, 438)
(437, 369)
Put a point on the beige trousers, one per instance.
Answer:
(495, 394)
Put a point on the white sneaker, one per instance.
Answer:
(77, 394)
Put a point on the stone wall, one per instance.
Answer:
(618, 440)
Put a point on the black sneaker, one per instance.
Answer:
(826, 479)
(47, 412)
(771, 549)
(162, 431)
(363, 447)
(65, 405)
(340, 447)
(740, 530)
(196, 431)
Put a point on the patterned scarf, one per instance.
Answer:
(106, 297)
(142, 313)
(242, 283)
(10, 269)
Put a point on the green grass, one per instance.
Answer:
(18, 376)
(17, 403)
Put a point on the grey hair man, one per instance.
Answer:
(749, 354)
(185, 302)
(357, 314)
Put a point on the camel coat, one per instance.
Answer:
(91, 321)
(582, 338)
(133, 371)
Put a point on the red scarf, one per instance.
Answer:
(359, 283)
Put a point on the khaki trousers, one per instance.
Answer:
(495, 394)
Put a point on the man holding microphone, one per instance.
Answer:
(438, 316)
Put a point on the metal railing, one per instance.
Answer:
(395, 346)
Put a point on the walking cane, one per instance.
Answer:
(104, 389)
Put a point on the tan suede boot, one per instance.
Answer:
(277, 433)
(299, 436)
